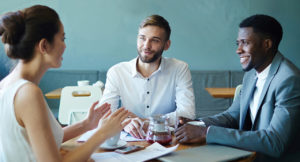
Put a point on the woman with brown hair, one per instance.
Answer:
(29, 132)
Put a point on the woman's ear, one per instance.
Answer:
(43, 46)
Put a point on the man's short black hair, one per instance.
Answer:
(266, 25)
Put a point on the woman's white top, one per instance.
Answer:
(14, 142)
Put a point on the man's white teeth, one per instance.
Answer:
(243, 59)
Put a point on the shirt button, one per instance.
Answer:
(148, 92)
(148, 79)
(147, 106)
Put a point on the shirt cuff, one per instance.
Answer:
(205, 126)
(207, 130)
(172, 118)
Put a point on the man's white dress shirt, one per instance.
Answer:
(261, 79)
(168, 90)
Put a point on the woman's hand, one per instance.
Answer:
(113, 123)
(95, 114)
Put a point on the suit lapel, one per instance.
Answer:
(247, 94)
(273, 70)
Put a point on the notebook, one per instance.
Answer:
(206, 153)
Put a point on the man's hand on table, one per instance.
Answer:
(134, 127)
(188, 133)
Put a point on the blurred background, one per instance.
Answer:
(101, 33)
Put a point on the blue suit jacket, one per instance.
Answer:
(276, 125)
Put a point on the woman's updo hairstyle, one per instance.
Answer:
(21, 30)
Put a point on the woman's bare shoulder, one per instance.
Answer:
(29, 96)
(29, 90)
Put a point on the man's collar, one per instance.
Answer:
(133, 64)
(273, 67)
(264, 73)
(135, 72)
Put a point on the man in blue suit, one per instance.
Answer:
(265, 116)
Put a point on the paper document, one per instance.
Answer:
(124, 136)
(153, 151)
(127, 137)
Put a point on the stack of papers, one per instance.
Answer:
(153, 151)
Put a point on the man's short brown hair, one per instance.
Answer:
(157, 20)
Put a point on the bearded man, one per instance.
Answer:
(151, 84)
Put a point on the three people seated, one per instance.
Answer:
(263, 118)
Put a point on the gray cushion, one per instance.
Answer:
(205, 103)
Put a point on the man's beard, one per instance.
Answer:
(156, 56)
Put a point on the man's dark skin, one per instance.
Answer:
(184, 128)
(255, 51)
